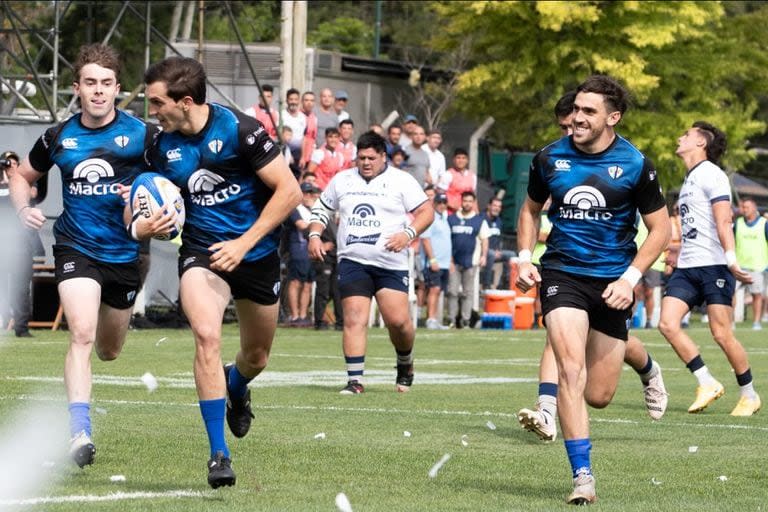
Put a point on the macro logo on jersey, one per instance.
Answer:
(584, 203)
(215, 146)
(207, 188)
(615, 172)
(686, 221)
(86, 177)
(122, 140)
(364, 215)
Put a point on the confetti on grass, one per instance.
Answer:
(491, 425)
(161, 340)
(320, 435)
(693, 449)
(150, 381)
(406, 433)
(342, 503)
(655, 482)
(465, 440)
(117, 478)
(723, 478)
(438, 465)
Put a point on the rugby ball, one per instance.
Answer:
(151, 191)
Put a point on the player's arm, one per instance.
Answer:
(721, 212)
(423, 216)
(21, 186)
(322, 214)
(527, 228)
(285, 197)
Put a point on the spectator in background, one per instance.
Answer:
(436, 247)
(328, 159)
(347, 142)
(417, 158)
(751, 233)
(340, 105)
(398, 158)
(286, 136)
(394, 133)
(469, 250)
(16, 259)
(495, 252)
(309, 143)
(459, 179)
(326, 280)
(326, 115)
(301, 273)
(437, 168)
(294, 119)
(409, 124)
(264, 113)
(651, 279)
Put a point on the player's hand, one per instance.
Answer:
(31, 217)
(227, 255)
(397, 242)
(159, 223)
(618, 294)
(124, 191)
(316, 248)
(740, 275)
(527, 277)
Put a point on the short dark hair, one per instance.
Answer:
(267, 88)
(468, 193)
(346, 121)
(399, 151)
(716, 140)
(460, 151)
(331, 131)
(373, 140)
(291, 91)
(615, 96)
(97, 53)
(393, 126)
(434, 131)
(564, 106)
(183, 76)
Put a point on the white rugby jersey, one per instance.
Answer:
(370, 212)
(704, 185)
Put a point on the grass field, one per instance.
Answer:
(467, 383)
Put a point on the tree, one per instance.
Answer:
(343, 34)
(682, 61)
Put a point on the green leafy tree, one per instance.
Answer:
(682, 61)
(343, 34)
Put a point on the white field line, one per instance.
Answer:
(385, 410)
(92, 498)
(281, 379)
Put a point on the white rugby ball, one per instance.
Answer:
(151, 191)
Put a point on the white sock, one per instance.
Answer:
(705, 378)
(748, 390)
(547, 403)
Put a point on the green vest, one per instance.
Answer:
(751, 245)
(544, 227)
(642, 234)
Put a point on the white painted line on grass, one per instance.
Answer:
(92, 498)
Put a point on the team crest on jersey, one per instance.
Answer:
(207, 188)
(615, 172)
(215, 146)
(121, 140)
(130, 295)
(720, 283)
(173, 155)
(276, 288)
(69, 143)
(652, 174)
(250, 139)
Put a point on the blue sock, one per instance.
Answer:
(79, 418)
(548, 388)
(237, 385)
(355, 367)
(578, 454)
(213, 412)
